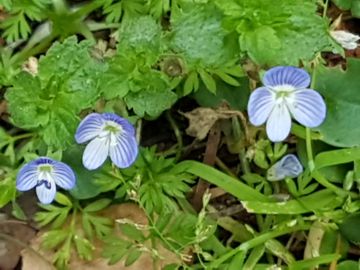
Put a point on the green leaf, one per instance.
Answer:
(280, 34)
(353, 5)
(343, 107)
(18, 212)
(348, 265)
(191, 83)
(208, 80)
(349, 228)
(132, 257)
(198, 35)
(133, 233)
(115, 9)
(141, 33)
(52, 239)
(256, 42)
(83, 247)
(62, 199)
(151, 102)
(25, 92)
(320, 200)
(97, 205)
(227, 78)
(7, 191)
(334, 157)
(66, 84)
(230, 184)
(115, 248)
(237, 97)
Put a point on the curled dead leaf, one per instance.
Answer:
(201, 120)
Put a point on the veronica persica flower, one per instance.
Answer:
(284, 96)
(288, 166)
(44, 174)
(108, 135)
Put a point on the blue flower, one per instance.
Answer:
(288, 166)
(109, 135)
(285, 95)
(44, 174)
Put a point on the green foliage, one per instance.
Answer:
(49, 102)
(197, 33)
(349, 227)
(115, 9)
(131, 74)
(352, 5)
(343, 108)
(17, 26)
(175, 231)
(157, 181)
(71, 229)
(281, 34)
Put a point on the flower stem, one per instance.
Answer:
(309, 152)
(177, 133)
(326, 4)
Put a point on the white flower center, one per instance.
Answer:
(283, 93)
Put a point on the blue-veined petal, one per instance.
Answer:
(27, 177)
(96, 153)
(125, 151)
(308, 108)
(46, 191)
(288, 166)
(287, 75)
(279, 123)
(63, 175)
(261, 103)
(89, 128)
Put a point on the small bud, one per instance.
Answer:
(288, 166)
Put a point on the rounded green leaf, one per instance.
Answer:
(341, 91)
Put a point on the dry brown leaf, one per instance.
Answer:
(201, 120)
(32, 260)
(122, 211)
(15, 235)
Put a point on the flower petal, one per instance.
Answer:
(27, 177)
(46, 194)
(287, 75)
(279, 123)
(89, 128)
(96, 153)
(288, 166)
(308, 108)
(125, 151)
(63, 175)
(260, 104)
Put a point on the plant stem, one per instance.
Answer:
(22, 136)
(309, 152)
(177, 133)
(30, 51)
(326, 4)
(262, 238)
